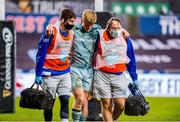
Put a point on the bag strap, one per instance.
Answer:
(37, 86)
(32, 85)
(141, 95)
(42, 87)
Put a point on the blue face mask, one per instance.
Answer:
(114, 33)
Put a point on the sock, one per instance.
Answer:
(64, 111)
(64, 120)
(76, 114)
(48, 114)
(83, 118)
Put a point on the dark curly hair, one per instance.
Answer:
(67, 14)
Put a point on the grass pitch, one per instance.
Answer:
(161, 109)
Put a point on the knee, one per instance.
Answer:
(85, 100)
(64, 99)
(106, 106)
(119, 105)
(79, 101)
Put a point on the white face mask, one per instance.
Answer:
(116, 33)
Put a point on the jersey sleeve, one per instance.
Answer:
(131, 66)
(41, 54)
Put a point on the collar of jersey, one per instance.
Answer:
(64, 33)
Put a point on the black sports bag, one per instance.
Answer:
(136, 105)
(36, 99)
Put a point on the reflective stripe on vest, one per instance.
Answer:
(113, 51)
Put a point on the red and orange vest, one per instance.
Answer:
(57, 57)
(111, 54)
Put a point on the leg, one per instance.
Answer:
(107, 109)
(81, 83)
(102, 89)
(78, 93)
(64, 112)
(85, 107)
(119, 87)
(64, 92)
(118, 107)
(48, 114)
(50, 84)
(79, 100)
(87, 79)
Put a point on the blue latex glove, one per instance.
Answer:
(136, 84)
(133, 89)
(38, 80)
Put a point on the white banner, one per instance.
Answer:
(160, 84)
(165, 85)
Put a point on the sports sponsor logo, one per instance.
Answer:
(160, 84)
(8, 39)
(160, 25)
(170, 25)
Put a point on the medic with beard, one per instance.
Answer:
(53, 65)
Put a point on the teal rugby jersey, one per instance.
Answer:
(83, 45)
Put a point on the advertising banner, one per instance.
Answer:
(7, 64)
(160, 53)
(32, 23)
(48, 6)
(160, 84)
(160, 25)
(36, 23)
(139, 8)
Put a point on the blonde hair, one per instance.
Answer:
(89, 17)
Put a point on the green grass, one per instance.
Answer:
(161, 109)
